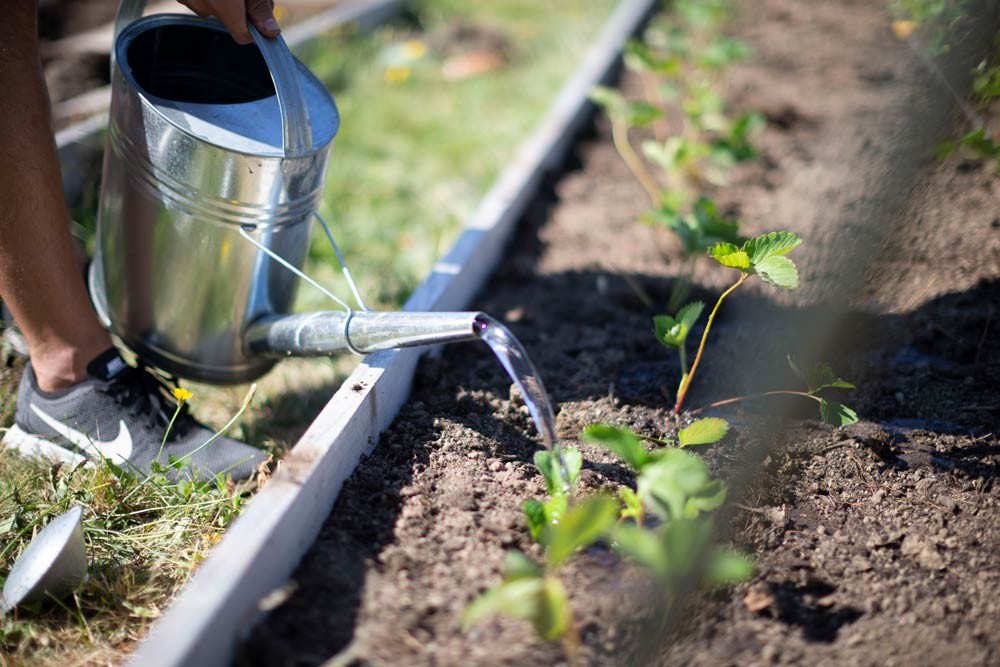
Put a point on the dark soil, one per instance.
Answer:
(876, 543)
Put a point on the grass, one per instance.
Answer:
(143, 540)
(414, 156)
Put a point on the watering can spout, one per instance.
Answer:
(324, 333)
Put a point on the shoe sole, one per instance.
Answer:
(33, 446)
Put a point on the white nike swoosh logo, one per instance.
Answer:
(118, 450)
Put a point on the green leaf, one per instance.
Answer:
(555, 508)
(641, 114)
(639, 56)
(836, 414)
(519, 566)
(945, 149)
(520, 598)
(581, 526)
(610, 100)
(573, 461)
(726, 567)
(703, 432)
(729, 255)
(671, 331)
(666, 484)
(620, 442)
(686, 543)
(712, 226)
(707, 499)
(632, 505)
(822, 377)
(774, 244)
(668, 331)
(535, 515)
(642, 546)
(548, 466)
(688, 315)
(553, 610)
(778, 271)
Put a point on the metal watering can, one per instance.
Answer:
(213, 171)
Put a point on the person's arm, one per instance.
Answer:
(234, 14)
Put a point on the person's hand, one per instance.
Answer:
(234, 14)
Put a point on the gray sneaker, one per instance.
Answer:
(121, 413)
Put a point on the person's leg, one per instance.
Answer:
(39, 276)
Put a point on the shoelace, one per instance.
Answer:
(148, 396)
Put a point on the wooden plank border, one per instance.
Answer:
(263, 546)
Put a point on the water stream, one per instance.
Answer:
(514, 358)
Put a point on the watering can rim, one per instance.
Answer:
(297, 117)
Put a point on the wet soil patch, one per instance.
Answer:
(875, 544)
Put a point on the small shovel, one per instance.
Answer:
(52, 565)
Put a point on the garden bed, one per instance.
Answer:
(875, 543)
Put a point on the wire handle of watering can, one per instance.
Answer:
(245, 233)
(281, 65)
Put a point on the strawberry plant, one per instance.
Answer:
(672, 486)
(765, 257)
(693, 142)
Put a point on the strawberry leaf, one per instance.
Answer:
(823, 377)
(580, 526)
(619, 441)
(774, 244)
(728, 254)
(519, 566)
(778, 271)
(688, 315)
(703, 432)
(642, 546)
(632, 505)
(708, 498)
(573, 461)
(836, 414)
(726, 567)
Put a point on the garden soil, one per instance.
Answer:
(875, 544)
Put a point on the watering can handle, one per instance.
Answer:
(295, 126)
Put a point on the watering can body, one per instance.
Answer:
(213, 150)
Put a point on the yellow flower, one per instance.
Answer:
(903, 29)
(397, 73)
(414, 49)
(181, 394)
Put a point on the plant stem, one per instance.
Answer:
(737, 399)
(619, 134)
(686, 383)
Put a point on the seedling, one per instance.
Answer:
(672, 485)
(694, 142)
(675, 488)
(534, 592)
(764, 257)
